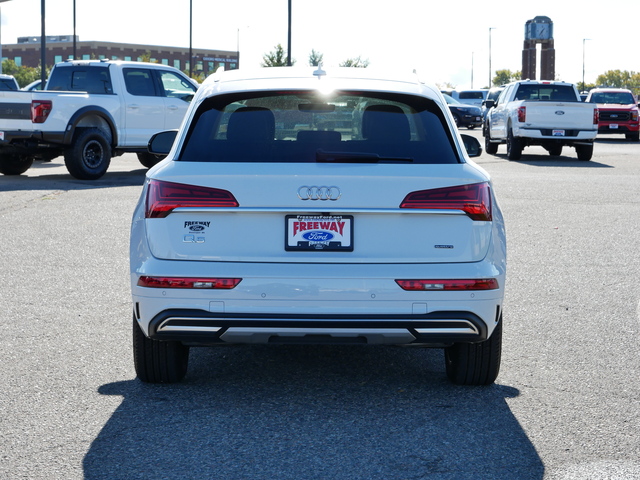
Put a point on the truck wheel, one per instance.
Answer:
(555, 150)
(585, 152)
(489, 146)
(475, 363)
(89, 156)
(634, 137)
(149, 159)
(158, 361)
(514, 147)
(15, 164)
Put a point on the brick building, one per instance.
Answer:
(27, 53)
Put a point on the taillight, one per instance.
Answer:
(522, 114)
(40, 110)
(188, 282)
(458, 284)
(164, 197)
(596, 116)
(474, 200)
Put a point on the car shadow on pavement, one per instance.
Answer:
(542, 160)
(314, 412)
(64, 181)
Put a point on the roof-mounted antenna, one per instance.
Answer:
(319, 72)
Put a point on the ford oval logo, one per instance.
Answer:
(559, 112)
(196, 228)
(317, 236)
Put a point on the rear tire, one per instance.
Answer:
(634, 137)
(89, 156)
(584, 152)
(158, 361)
(489, 146)
(514, 147)
(15, 164)
(475, 363)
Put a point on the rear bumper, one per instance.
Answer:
(620, 128)
(200, 327)
(25, 142)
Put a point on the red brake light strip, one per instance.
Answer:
(458, 284)
(187, 282)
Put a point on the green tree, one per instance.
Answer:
(585, 87)
(276, 58)
(24, 75)
(505, 76)
(315, 58)
(355, 62)
(620, 79)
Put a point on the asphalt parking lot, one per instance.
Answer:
(566, 404)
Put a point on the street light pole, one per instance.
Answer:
(75, 45)
(190, 37)
(583, 42)
(43, 46)
(490, 80)
(472, 70)
(289, 38)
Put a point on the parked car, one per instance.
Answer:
(376, 230)
(464, 115)
(469, 97)
(8, 82)
(618, 112)
(36, 85)
(545, 113)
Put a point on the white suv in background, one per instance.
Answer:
(302, 206)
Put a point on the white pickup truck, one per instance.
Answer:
(543, 113)
(89, 112)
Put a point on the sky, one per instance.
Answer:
(447, 43)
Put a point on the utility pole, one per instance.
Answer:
(289, 38)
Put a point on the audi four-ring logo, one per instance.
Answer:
(319, 193)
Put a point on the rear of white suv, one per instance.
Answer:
(304, 207)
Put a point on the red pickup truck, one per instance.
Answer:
(618, 111)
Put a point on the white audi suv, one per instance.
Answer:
(311, 205)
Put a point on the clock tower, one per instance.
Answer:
(538, 31)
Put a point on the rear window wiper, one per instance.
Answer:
(356, 157)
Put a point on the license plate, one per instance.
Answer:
(613, 126)
(322, 233)
(558, 133)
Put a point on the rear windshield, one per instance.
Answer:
(471, 95)
(621, 98)
(546, 93)
(8, 84)
(81, 78)
(293, 126)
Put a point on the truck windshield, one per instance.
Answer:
(304, 126)
(620, 98)
(546, 93)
